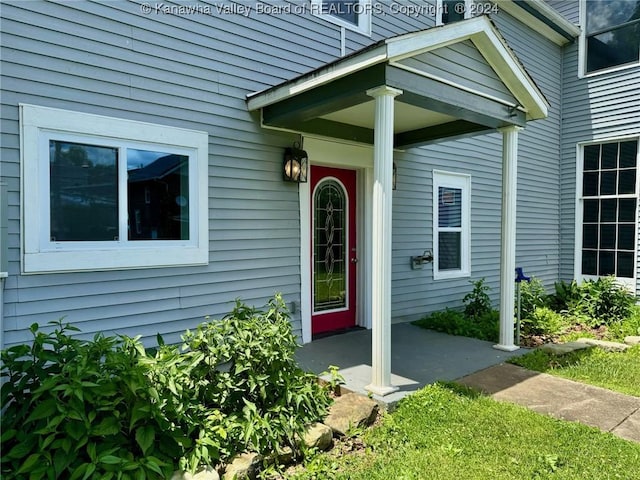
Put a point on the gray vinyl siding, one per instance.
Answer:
(190, 71)
(596, 108)
(414, 291)
(194, 71)
(464, 65)
(569, 9)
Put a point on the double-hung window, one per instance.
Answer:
(104, 193)
(607, 210)
(451, 225)
(351, 14)
(611, 36)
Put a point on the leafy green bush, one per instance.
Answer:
(79, 409)
(629, 326)
(484, 327)
(566, 295)
(477, 302)
(532, 295)
(108, 408)
(544, 321)
(605, 301)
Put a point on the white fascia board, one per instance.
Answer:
(417, 43)
(314, 79)
(539, 26)
(495, 51)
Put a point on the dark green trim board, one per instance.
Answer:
(436, 133)
(340, 94)
(344, 131)
(524, 4)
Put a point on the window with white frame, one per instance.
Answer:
(451, 225)
(105, 193)
(351, 14)
(450, 11)
(611, 34)
(607, 209)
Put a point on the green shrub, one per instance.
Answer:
(108, 408)
(477, 302)
(605, 300)
(543, 321)
(532, 295)
(484, 327)
(630, 326)
(565, 297)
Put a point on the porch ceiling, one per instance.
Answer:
(457, 80)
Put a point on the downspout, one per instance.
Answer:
(4, 199)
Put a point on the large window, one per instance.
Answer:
(451, 225)
(351, 14)
(611, 33)
(607, 209)
(105, 193)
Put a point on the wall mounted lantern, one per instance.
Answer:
(295, 164)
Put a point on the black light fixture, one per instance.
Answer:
(295, 164)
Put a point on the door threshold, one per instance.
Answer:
(332, 333)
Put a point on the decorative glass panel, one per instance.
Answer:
(83, 192)
(158, 190)
(330, 249)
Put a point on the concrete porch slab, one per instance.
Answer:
(419, 357)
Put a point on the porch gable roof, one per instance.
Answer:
(442, 97)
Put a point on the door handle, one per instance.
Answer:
(354, 260)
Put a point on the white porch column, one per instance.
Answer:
(508, 240)
(381, 241)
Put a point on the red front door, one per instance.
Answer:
(333, 249)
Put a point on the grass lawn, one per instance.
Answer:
(619, 371)
(445, 433)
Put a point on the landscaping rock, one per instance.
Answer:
(350, 411)
(603, 344)
(284, 457)
(318, 436)
(208, 473)
(243, 467)
(632, 340)
(564, 348)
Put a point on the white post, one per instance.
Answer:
(381, 241)
(508, 240)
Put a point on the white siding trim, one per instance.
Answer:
(341, 155)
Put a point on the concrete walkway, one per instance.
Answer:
(564, 399)
(421, 357)
(418, 357)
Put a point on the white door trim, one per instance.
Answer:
(333, 153)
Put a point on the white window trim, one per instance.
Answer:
(40, 255)
(364, 17)
(582, 51)
(468, 9)
(462, 181)
(577, 255)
